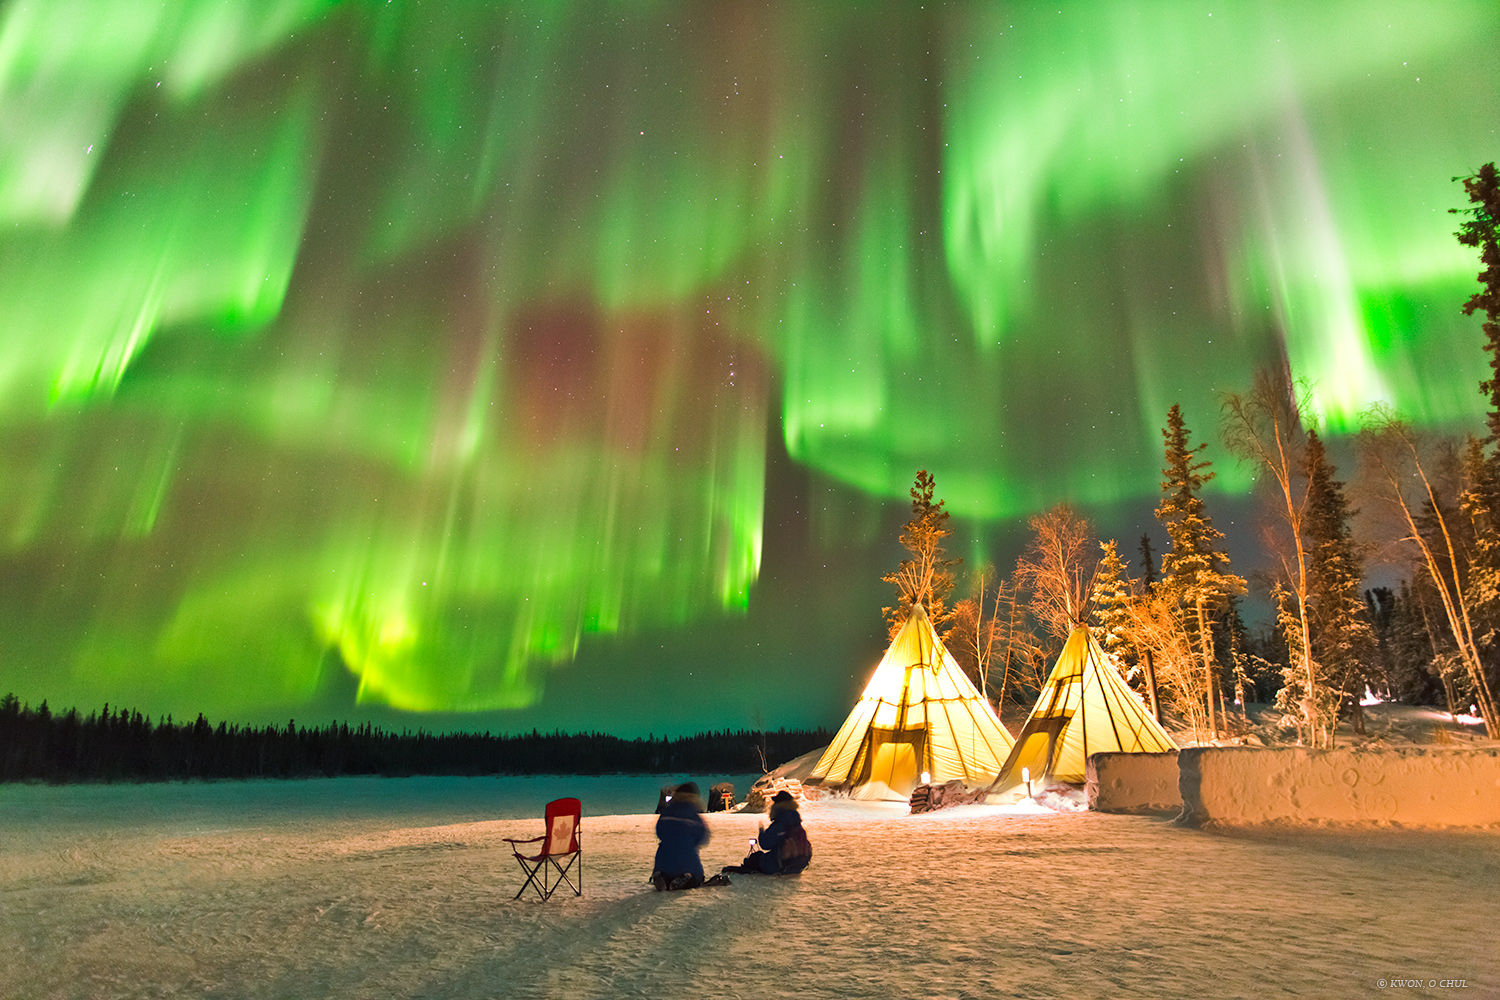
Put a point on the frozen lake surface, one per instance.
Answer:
(371, 887)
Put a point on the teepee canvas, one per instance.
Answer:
(1085, 707)
(919, 712)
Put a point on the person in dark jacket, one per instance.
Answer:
(680, 831)
(766, 858)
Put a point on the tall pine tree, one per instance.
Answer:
(1342, 640)
(1479, 504)
(1237, 638)
(1482, 231)
(1148, 563)
(1482, 496)
(927, 577)
(1195, 572)
(1112, 600)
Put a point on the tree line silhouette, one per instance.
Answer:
(125, 745)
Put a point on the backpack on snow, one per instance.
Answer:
(795, 851)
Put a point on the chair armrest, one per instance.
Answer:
(533, 840)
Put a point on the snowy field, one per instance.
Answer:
(380, 888)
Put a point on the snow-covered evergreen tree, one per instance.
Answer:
(1112, 600)
(1342, 640)
(1195, 571)
(1479, 501)
(927, 577)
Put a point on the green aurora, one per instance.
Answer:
(423, 344)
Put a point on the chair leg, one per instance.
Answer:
(548, 867)
(562, 874)
(530, 882)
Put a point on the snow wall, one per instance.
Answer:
(1135, 783)
(1415, 787)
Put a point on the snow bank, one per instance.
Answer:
(1133, 783)
(1242, 786)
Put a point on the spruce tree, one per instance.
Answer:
(1148, 563)
(1478, 502)
(1295, 697)
(927, 577)
(1482, 231)
(1112, 600)
(1412, 648)
(1380, 612)
(1236, 641)
(1341, 637)
(1482, 497)
(1194, 571)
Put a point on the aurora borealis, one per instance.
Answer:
(430, 356)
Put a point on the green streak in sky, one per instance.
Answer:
(407, 345)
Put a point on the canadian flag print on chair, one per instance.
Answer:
(560, 850)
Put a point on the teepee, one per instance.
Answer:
(1085, 707)
(919, 713)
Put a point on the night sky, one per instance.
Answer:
(567, 364)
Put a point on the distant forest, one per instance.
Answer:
(122, 745)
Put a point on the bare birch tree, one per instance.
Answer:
(1265, 426)
(973, 630)
(1396, 477)
(1058, 569)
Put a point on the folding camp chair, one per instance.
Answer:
(559, 845)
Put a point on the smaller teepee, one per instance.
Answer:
(919, 712)
(1085, 707)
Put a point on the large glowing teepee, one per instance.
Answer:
(1085, 707)
(919, 713)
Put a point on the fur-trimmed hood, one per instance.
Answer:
(787, 809)
(690, 799)
(687, 792)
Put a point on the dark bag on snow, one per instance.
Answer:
(796, 850)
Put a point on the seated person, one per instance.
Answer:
(681, 832)
(783, 848)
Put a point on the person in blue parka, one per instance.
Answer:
(680, 831)
(770, 858)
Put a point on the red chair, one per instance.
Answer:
(559, 844)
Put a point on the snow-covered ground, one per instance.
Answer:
(1387, 724)
(402, 888)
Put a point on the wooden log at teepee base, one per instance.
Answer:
(764, 790)
(927, 798)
